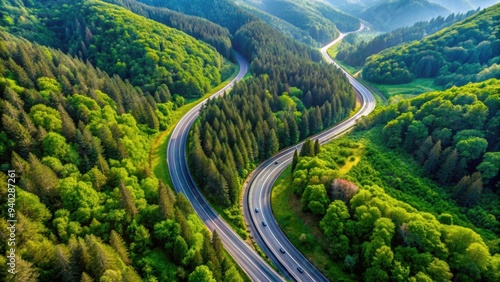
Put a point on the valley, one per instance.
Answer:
(158, 140)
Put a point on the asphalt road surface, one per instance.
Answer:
(255, 267)
(270, 237)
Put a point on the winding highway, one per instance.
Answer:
(256, 200)
(257, 197)
(255, 267)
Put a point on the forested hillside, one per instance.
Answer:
(454, 134)
(320, 20)
(354, 52)
(222, 12)
(380, 214)
(389, 15)
(466, 51)
(199, 28)
(120, 42)
(88, 206)
(290, 98)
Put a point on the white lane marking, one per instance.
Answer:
(178, 136)
(336, 131)
(267, 173)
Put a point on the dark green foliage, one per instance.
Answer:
(237, 131)
(388, 15)
(207, 31)
(464, 52)
(319, 20)
(355, 53)
(222, 12)
(88, 203)
(140, 52)
(389, 229)
(460, 142)
(265, 113)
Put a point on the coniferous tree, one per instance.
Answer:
(447, 169)
(127, 199)
(295, 160)
(118, 244)
(317, 148)
(431, 163)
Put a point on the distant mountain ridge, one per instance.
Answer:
(466, 51)
(389, 15)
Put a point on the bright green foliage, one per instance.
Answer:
(201, 274)
(314, 199)
(390, 230)
(141, 50)
(88, 203)
(448, 133)
(354, 52)
(46, 117)
(207, 31)
(456, 55)
(319, 20)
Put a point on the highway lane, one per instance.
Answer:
(257, 196)
(255, 267)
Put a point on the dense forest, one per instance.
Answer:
(88, 206)
(283, 26)
(289, 98)
(381, 215)
(354, 52)
(454, 134)
(222, 12)
(389, 15)
(199, 28)
(466, 51)
(120, 42)
(320, 20)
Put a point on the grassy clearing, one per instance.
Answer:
(352, 160)
(294, 223)
(412, 89)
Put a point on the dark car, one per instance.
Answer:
(264, 223)
(276, 162)
(282, 250)
(256, 210)
(300, 269)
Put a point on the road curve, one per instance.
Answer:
(258, 194)
(255, 267)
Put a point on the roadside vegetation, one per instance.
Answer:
(397, 213)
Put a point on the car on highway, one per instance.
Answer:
(276, 162)
(256, 210)
(282, 250)
(264, 223)
(300, 269)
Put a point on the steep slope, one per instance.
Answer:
(199, 28)
(458, 6)
(120, 42)
(87, 202)
(280, 24)
(319, 19)
(376, 212)
(389, 15)
(466, 51)
(222, 12)
(355, 53)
